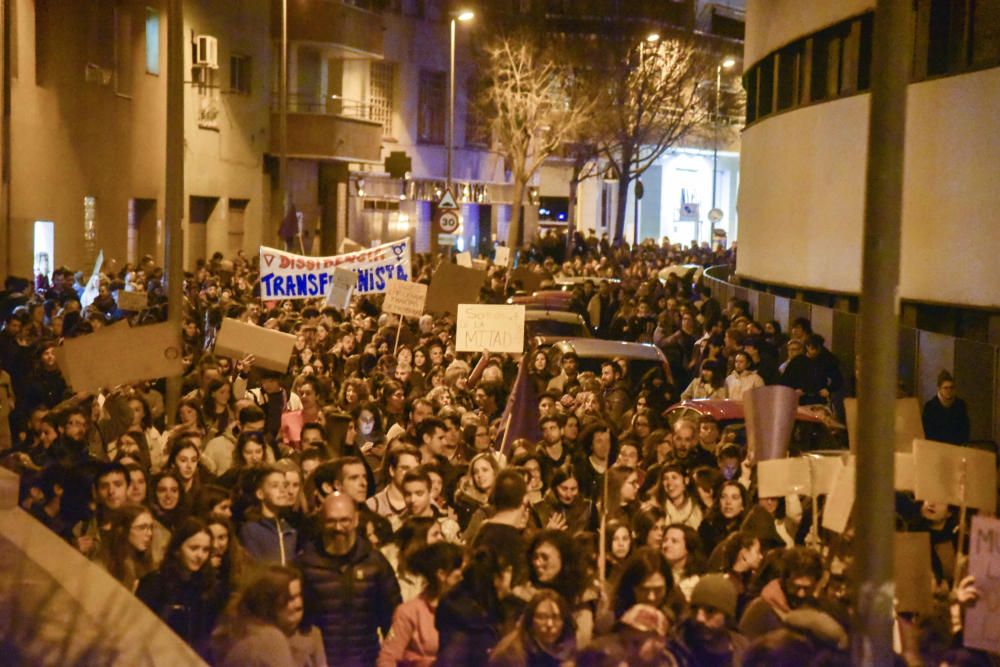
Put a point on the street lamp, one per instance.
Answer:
(462, 15)
(727, 63)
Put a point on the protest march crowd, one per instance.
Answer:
(367, 507)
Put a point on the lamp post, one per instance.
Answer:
(651, 38)
(283, 190)
(727, 63)
(463, 16)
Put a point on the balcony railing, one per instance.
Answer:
(334, 105)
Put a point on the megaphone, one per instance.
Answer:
(770, 415)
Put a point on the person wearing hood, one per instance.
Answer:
(544, 637)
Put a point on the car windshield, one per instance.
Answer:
(552, 328)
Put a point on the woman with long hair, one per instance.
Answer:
(353, 393)
(544, 636)
(710, 382)
(617, 546)
(126, 551)
(682, 549)
(725, 516)
(137, 491)
(228, 557)
(265, 625)
(142, 420)
(219, 408)
(413, 638)
(648, 526)
(251, 452)
(643, 579)
(623, 494)
(168, 499)
(415, 534)
(183, 591)
(474, 489)
(564, 505)
(188, 418)
(468, 616)
(185, 459)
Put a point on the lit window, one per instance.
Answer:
(152, 41)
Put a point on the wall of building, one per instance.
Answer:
(101, 134)
(802, 194)
(770, 24)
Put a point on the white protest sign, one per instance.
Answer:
(342, 288)
(285, 275)
(502, 256)
(493, 328)
(803, 475)
(840, 502)
(92, 289)
(464, 259)
(981, 628)
(405, 298)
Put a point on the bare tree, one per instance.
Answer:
(532, 111)
(650, 99)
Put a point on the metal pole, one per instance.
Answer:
(872, 634)
(283, 193)
(715, 150)
(451, 100)
(174, 189)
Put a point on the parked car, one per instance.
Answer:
(592, 352)
(553, 325)
(815, 428)
(544, 300)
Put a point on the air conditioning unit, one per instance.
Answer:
(206, 51)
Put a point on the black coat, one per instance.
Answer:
(949, 424)
(467, 630)
(349, 598)
(189, 607)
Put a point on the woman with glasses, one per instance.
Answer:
(126, 552)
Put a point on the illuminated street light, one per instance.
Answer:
(727, 63)
(462, 15)
(653, 37)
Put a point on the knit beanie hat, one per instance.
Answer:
(716, 591)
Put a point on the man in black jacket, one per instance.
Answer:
(349, 588)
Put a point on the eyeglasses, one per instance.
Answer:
(143, 527)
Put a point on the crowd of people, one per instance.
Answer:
(365, 508)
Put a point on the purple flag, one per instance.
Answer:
(520, 416)
(289, 226)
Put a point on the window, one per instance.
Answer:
(765, 86)
(946, 42)
(239, 74)
(382, 79)
(789, 62)
(985, 33)
(750, 86)
(123, 50)
(432, 106)
(152, 41)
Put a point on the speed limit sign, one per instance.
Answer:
(448, 222)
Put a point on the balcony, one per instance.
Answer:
(357, 32)
(328, 129)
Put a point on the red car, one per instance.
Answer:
(815, 428)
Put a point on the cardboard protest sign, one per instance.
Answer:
(405, 298)
(981, 628)
(272, 349)
(480, 264)
(940, 470)
(905, 472)
(285, 275)
(120, 354)
(770, 415)
(502, 256)
(342, 288)
(908, 423)
(803, 475)
(451, 285)
(912, 572)
(777, 478)
(840, 501)
(464, 259)
(493, 328)
(132, 301)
